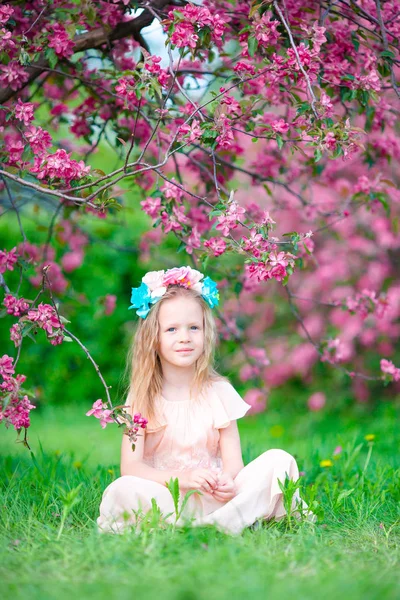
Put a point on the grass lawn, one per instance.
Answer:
(49, 502)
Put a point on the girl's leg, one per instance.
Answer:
(126, 495)
(259, 495)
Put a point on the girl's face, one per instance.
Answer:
(181, 337)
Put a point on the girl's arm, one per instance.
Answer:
(231, 452)
(132, 462)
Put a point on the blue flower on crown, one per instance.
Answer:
(141, 299)
(210, 292)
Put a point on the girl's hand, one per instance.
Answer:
(198, 479)
(226, 489)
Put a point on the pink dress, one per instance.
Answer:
(186, 436)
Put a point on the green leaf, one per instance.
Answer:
(51, 57)
(317, 154)
(279, 141)
(252, 45)
(388, 54)
(344, 494)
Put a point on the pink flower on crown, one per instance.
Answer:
(155, 282)
(185, 276)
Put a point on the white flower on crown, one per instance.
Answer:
(155, 282)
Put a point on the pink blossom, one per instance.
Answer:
(15, 334)
(96, 410)
(15, 148)
(46, 318)
(60, 41)
(388, 368)
(193, 241)
(110, 302)
(316, 401)
(330, 141)
(151, 206)
(72, 260)
(266, 29)
(5, 13)
(369, 82)
(38, 139)
(8, 259)
(318, 37)
(257, 400)
(6, 366)
(338, 450)
(24, 111)
(106, 418)
(224, 127)
(184, 35)
(280, 126)
(17, 413)
(13, 75)
(185, 276)
(260, 355)
(15, 306)
(333, 352)
(171, 190)
(230, 219)
(139, 420)
(217, 245)
(193, 131)
(152, 64)
(59, 166)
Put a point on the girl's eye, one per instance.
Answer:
(194, 326)
(171, 328)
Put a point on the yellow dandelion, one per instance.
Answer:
(77, 464)
(57, 452)
(111, 471)
(277, 431)
(326, 463)
(369, 437)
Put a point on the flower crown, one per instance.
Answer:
(154, 285)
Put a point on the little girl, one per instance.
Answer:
(191, 410)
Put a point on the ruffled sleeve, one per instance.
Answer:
(227, 404)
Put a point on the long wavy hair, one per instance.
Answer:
(143, 361)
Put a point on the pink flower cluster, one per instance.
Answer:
(126, 89)
(273, 268)
(139, 421)
(151, 206)
(16, 412)
(193, 131)
(333, 352)
(46, 318)
(224, 127)
(15, 306)
(152, 65)
(59, 166)
(190, 20)
(100, 411)
(266, 29)
(24, 111)
(60, 41)
(391, 372)
(366, 302)
(217, 245)
(8, 260)
(230, 220)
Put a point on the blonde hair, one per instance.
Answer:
(143, 361)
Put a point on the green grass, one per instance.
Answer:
(47, 545)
